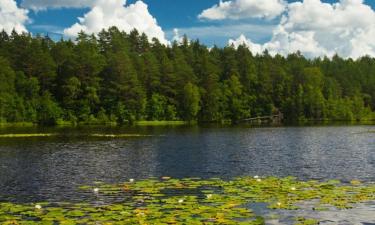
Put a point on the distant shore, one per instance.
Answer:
(186, 123)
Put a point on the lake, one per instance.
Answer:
(52, 168)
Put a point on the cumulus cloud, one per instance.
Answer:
(316, 28)
(242, 40)
(12, 17)
(45, 4)
(241, 9)
(177, 37)
(107, 13)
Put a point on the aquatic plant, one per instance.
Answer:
(190, 201)
(161, 123)
(36, 135)
(119, 135)
(25, 135)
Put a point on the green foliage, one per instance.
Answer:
(192, 201)
(234, 94)
(48, 110)
(123, 78)
(191, 101)
(7, 90)
(157, 108)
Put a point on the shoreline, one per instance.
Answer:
(144, 123)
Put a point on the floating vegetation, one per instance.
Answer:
(161, 123)
(26, 135)
(119, 135)
(73, 135)
(190, 201)
(304, 221)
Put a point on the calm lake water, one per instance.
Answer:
(52, 168)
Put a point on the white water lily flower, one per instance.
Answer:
(180, 201)
(259, 180)
(96, 190)
(131, 180)
(39, 207)
(293, 188)
(256, 177)
(209, 196)
(279, 203)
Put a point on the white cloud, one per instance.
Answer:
(177, 37)
(227, 30)
(316, 28)
(12, 17)
(241, 9)
(219, 34)
(107, 13)
(242, 40)
(45, 4)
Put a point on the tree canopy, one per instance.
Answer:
(120, 77)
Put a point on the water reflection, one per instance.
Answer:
(52, 168)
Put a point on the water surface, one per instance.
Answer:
(51, 168)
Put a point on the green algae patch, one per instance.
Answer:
(191, 201)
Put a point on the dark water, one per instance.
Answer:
(51, 169)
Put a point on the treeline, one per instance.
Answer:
(121, 78)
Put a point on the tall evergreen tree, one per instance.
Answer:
(118, 76)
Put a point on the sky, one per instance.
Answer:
(313, 27)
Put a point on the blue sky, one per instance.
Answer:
(170, 14)
(259, 32)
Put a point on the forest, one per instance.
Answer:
(117, 77)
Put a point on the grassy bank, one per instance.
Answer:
(18, 124)
(62, 123)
